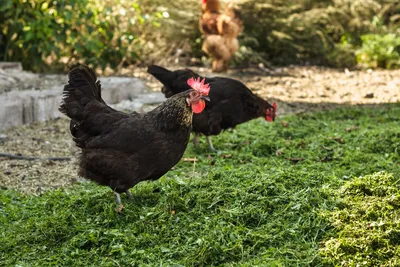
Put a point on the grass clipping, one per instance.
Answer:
(368, 223)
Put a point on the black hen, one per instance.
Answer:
(120, 150)
(232, 103)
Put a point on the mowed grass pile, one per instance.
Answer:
(368, 222)
(274, 196)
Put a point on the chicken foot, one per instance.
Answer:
(120, 206)
(118, 197)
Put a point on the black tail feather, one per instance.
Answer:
(163, 75)
(174, 81)
(166, 77)
(82, 88)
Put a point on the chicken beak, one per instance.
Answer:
(205, 98)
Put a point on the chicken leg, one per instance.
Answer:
(195, 139)
(118, 197)
(210, 145)
(129, 194)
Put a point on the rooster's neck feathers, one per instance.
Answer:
(174, 114)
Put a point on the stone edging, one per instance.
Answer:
(28, 106)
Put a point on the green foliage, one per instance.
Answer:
(379, 51)
(288, 32)
(99, 33)
(342, 56)
(117, 32)
(367, 223)
(283, 32)
(250, 205)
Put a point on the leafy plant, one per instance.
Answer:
(379, 51)
(313, 31)
(117, 32)
(99, 33)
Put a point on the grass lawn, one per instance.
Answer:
(318, 189)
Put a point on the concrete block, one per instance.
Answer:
(27, 106)
(11, 112)
(45, 105)
(116, 89)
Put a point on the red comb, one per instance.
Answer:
(199, 85)
(204, 1)
(271, 113)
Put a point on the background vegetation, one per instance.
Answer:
(340, 33)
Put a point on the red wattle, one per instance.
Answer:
(198, 107)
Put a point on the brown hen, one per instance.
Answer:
(220, 31)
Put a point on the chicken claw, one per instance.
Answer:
(119, 208)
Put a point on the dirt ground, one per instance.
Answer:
(300, 89)
(295, 89)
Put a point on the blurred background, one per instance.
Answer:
(49, 36)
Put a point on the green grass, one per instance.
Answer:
(254, 204)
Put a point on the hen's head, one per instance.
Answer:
(270, 113)
(198, 94)
(210, 5)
